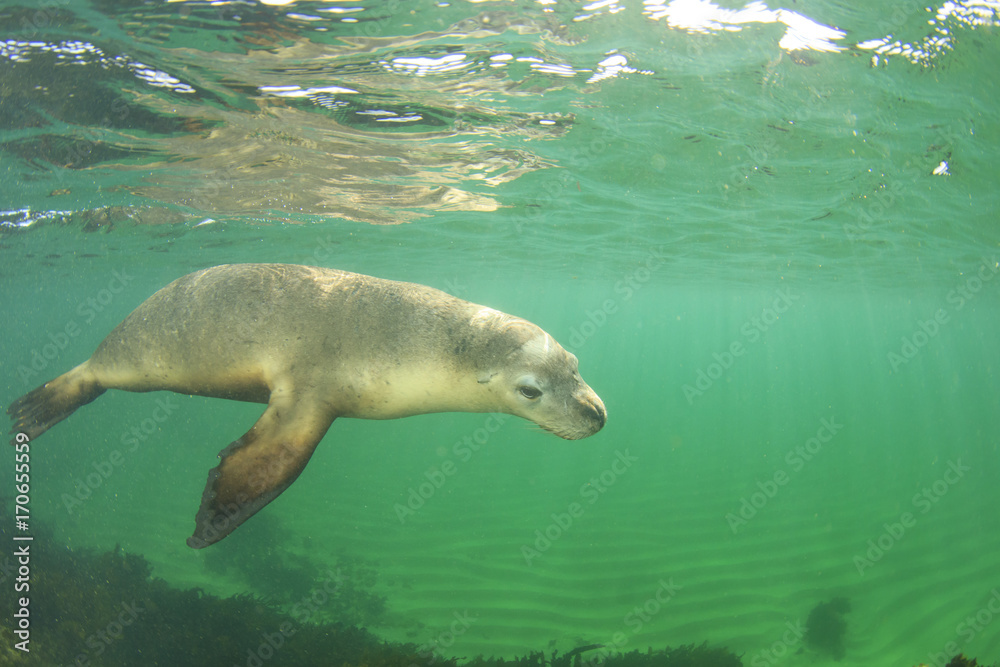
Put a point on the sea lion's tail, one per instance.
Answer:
(41, 409)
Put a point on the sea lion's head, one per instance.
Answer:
(537, 379)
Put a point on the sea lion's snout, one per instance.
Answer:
(592, 413)
(580, 415)
(600, 412)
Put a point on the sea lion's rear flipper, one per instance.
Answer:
(42, 408)
(255, 469)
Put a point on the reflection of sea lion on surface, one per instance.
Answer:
(316, 344)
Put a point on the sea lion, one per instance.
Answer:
(317, 344)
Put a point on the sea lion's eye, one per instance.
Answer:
(529, 392)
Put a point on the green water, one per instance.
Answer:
(790, 317)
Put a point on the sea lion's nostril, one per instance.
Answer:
(600, 414)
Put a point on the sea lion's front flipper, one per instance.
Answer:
(255, 469)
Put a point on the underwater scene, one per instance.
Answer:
(767, 231)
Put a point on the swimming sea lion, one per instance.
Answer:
(314, 345)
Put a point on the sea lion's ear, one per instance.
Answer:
(486, 376)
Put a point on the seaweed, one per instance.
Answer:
(254, 557)
(106, 610)
(682, 656)
(961, 661)
(826, 628)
